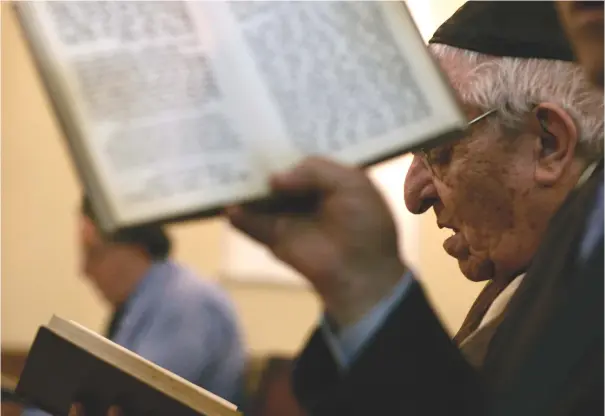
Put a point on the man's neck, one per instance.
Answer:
(131, 275)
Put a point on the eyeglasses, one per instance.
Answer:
(425, 153)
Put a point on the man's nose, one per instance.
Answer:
(419, 190)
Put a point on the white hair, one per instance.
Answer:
(514, 86)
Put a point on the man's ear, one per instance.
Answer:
(556, 143)
(88, 231)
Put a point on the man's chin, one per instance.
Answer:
(477, 271)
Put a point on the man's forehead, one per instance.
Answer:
(460, 73)
(456, 66)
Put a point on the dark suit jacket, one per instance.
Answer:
(546, 357)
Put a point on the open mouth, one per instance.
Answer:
(454, 230)
(455, 245)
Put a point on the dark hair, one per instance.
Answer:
(152, 238)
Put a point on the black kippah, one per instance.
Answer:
(522, 29)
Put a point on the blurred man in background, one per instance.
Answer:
(161, 310)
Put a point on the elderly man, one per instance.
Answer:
(537, 139)
(487, 189)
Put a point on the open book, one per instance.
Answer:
(69, 363)
(173, 109)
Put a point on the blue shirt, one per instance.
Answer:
(346, 345)
(186, 325)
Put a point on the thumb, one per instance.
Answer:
(258, 226)
(315, 175)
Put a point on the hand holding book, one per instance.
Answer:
(346, 245)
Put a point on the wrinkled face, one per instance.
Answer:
(583, 22)
(481, 188)
(98, 258)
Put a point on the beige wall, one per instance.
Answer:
(40, 198)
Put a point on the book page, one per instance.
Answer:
(352, 80)
(142, 84)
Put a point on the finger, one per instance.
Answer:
(258, 226)
(316, 174)
(115, 411)
(76, 409)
